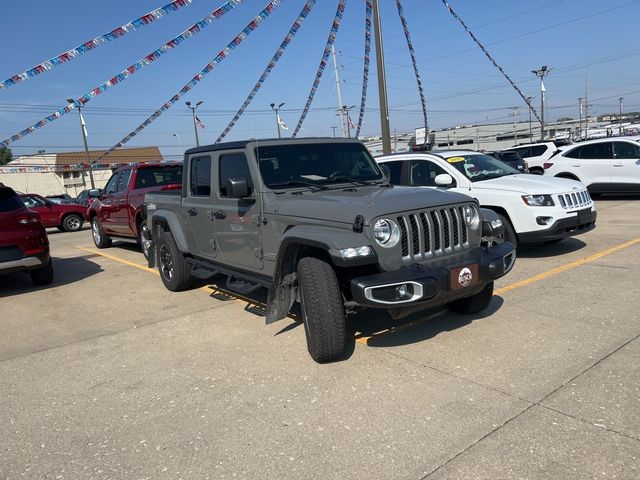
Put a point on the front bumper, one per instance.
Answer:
(567, 227)
(419, 284)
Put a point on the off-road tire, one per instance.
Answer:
(322, 310)
(42, 275)
(72, 223)
(99, 237)
(475, 303)
(174, 271)
(509, 232)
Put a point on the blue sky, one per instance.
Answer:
(461, 85)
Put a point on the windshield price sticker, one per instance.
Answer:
(455, 159)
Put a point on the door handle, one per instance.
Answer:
(618, 164)
(576, 165)
(192, 211)
(219, 214)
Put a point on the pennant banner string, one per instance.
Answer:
(255, 23)
(412, 52)
(132, 69)
(495, 64)
(367, 59)
(96, 42)
(323, 63)
(274, 60)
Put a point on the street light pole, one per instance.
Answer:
(530, 128)
(179, 143)
(541, 73)
(580, 107)
(83, 127)
(276, 109)
(620, 117)
(193, 113)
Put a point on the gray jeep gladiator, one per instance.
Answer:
(316, 221)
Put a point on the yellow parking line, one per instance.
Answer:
(364, 339)
(565, 267)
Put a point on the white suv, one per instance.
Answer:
(535, 154)
(607, 165)
(532, 208)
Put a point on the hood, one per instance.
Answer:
(530, 184)
(343, 204)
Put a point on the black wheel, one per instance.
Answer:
(99, 237)
(142, 241)
(42, 275)
(509, 232)
(322, 310)
(174, 270)
(475, 303)
(72, 223)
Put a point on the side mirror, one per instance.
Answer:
(94, 193)
(386, 171)
(237, 187)
(444, 180)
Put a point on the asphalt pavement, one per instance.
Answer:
(107, 375)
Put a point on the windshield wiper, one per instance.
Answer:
(297, 183)
(349, 180)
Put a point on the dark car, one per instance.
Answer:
(511, 158)
(83, 197)
(66, 217)
(24, 245)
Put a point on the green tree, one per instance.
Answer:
(5, 155)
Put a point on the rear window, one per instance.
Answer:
(9, 200)
(158, 176)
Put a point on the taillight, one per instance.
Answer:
(28, 220)
(547, 165)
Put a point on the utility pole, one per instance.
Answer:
(83, 127)
(620, 117)
(193, 112)
(544, 70)
(530, 128)
(177, 135)
(339, 92)
(276, 109)
(515, 112)
(382, 82)
(346, 110)
(586, 102)
(580, 124)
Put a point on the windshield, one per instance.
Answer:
(316, 164)
(479, 167)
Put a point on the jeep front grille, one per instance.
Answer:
(574, 200)
(433, 232)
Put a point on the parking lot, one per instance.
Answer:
(106, 374)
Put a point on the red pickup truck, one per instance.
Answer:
(115, 211)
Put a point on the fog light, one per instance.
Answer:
(544, 220)
(404, 292)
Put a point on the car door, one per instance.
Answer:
(591, 163)
(237, 220)
(625, 166)
(45, 209)
(107, 208)
(197, 208)
(120, 205)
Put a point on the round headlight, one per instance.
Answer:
(472, 217)
(386, 233)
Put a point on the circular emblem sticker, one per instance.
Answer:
(465, 277)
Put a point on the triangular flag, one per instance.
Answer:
(542, 89)
(199, 123)
(282, 124)
(84, 125)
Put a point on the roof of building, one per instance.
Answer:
(122, 155)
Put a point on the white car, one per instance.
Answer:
(535, 154)
(533, 208)
(609, 165)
